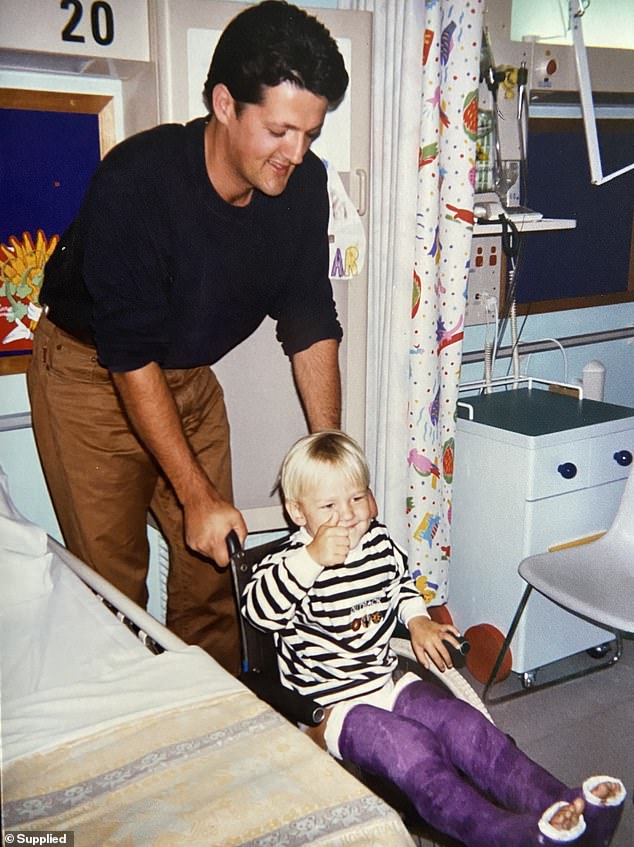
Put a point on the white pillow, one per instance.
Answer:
(24, 560)
(18, 534)
(23, 578)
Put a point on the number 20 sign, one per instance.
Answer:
(101, 22)
(115, 29)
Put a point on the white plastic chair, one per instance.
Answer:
(593, 580)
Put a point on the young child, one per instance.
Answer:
(332, 596)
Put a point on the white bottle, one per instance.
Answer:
(593, 380)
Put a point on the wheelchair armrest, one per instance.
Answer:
(295, 707)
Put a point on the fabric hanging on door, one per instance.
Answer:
(346, 235)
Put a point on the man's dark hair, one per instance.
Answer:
(271, 43)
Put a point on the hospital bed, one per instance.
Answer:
(114, 729)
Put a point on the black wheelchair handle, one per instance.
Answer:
(233, 544)
(458, 653)
(463, 645)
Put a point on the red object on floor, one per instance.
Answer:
(486, 641)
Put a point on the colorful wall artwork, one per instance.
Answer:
(46, 160)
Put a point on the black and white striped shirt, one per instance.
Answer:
(332, 626)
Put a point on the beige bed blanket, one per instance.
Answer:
(228, 771)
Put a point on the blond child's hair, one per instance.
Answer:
(307, 457)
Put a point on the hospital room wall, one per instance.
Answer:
(617, 356)
(17, 449)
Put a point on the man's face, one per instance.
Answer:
(268, 140)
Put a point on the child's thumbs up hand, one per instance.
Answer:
(331, 543)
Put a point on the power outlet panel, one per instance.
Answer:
(485, 270)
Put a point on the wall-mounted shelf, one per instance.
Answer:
(542, 225)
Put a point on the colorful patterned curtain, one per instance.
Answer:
(444, 227)
(425, 104)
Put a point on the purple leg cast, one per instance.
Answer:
(463, 775)
(602, 823)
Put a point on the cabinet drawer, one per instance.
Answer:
(611, 456)
(558, 469)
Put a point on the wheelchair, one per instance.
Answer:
(259, 672)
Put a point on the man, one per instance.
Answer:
(187, 238)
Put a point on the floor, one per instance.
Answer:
(576, 728)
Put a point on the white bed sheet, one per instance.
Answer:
(88, 672)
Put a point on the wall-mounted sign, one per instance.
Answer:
(109, 29)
